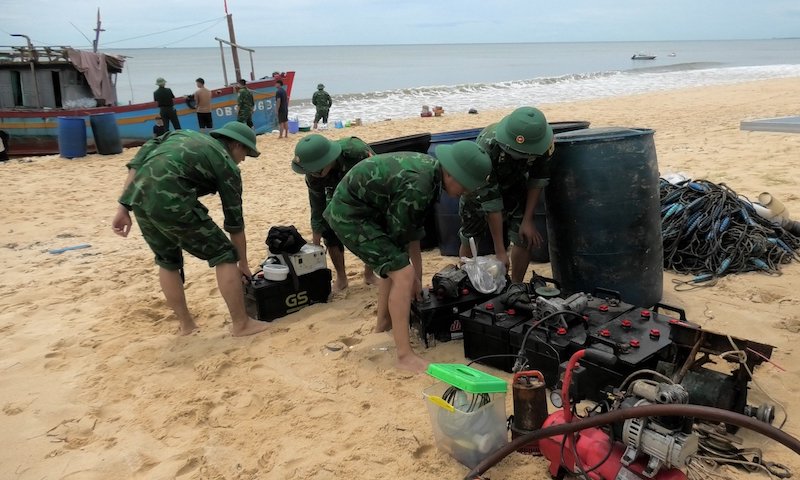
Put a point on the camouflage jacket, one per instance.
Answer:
(510, 177)
(173, 170)
(320, 190)
(322, 100)
(245, 101)
(394, 190)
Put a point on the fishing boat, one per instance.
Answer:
(643, 56)
(40, 84)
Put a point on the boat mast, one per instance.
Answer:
(234, 52)
(97, 31)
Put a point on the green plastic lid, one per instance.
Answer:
(467, 378)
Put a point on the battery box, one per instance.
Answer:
(267, 300)
(437, 317)
(487, 332)
(309, 259)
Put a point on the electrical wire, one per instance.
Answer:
(709, 231)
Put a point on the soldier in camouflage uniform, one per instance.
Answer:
(322, 101)
(520, 146)
(165, 179)
(246, 104)
(324, 164)
(378, 211)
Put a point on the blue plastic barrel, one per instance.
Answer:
(294, 126)
(452, 137)
(603, 213)
(72, 137)
(106, 133)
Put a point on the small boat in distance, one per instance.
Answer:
(671, 54)
(643, 56)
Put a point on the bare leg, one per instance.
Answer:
(229, 280)
(172, 287)
(520, 258)
(369, 276)
(337, 259)
(400, 295)
(384, 319)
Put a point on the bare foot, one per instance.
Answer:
(251, 327)
(188, 328)
(383, 325)
(370, 278)
(412, 363)
(339, 285)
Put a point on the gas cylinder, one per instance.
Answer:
(530, 407)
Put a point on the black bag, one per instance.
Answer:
(284, 239)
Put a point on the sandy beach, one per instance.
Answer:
(94, 383)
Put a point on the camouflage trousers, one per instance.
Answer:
(322, 114)
(474, 222)
(168, 234)
(368, 240)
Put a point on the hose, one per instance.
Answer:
(695, 411)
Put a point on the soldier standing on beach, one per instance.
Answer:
(324, 164)
(166, 105)
(378, 211)
(164, 181)
(520, 146)
(246, 103)
(322, 101)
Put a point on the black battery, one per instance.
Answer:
(487, 332)
(539, 352)
(267, 300)
(605, 305)
(436, 318)
(639, 337)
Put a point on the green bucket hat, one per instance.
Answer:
(320, 86)
(466, 162)
(241, 133)
(160, 81)
(313, 153)
(525, 130)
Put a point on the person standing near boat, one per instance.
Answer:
(322, 101)
(165, 180)
(166, 105)
(202, 98)
(282, 105)
(246, 104)
(520, 146)
(378, 211)
(324, 164)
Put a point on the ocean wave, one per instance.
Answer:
(407, 102)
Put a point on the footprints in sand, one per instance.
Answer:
(74, 433)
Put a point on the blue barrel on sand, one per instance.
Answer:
(293, 126)
(603, 213)
(72, 137)
(106, 133)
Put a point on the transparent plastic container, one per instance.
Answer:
(468, 436)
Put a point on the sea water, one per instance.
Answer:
(377, 82)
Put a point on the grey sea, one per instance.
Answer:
(393, 81)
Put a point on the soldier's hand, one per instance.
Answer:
(316, 238)
(417, 288)
(529, 235)
(246, 273)
(121, 224)
(502, 255)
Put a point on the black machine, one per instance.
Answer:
(533, 325)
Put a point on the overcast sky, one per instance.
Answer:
(195, 23)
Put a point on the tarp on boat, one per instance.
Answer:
(96, 67)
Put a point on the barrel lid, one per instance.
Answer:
(602, 134)
(466, 378)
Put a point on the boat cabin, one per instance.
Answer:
(57, 77)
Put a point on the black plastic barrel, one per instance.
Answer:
(603, 213)
(410, 143)
(72, 137)
(106, 133)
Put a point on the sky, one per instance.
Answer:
(195, 23)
